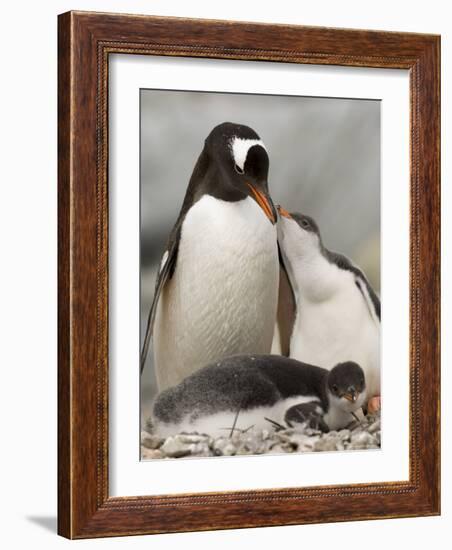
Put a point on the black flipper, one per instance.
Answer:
(165, 273)
(361, 281)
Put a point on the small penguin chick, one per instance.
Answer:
(246, 391)
(346, 393)
(337, 312)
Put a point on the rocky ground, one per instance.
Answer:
(363, 434)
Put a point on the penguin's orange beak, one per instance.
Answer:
(351, 396)
(283, 212)
(264, 203)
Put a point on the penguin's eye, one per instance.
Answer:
(335, 388)
(239, 170)
(305, 223)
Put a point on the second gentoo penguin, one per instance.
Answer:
(259, 391)
(216, 292)
(337, 311)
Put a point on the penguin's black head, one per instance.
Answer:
(305, 222)
(239, 166)
(299, 237)
(346, 385)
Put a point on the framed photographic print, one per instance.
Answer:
(248, 275)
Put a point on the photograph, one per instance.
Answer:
(259, 274)
(237, 198)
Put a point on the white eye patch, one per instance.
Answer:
(240, 148)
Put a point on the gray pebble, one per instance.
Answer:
(223, 446)
(193, 438)
(374, 427)
(278, 448)
(151, 441)
(363, 435)
(151, 453)
(326, 444)
(174, 448)
(303, 443)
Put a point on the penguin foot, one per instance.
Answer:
(374, 404)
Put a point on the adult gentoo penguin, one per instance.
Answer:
(216, 292)
(260, 390)
(337, 311)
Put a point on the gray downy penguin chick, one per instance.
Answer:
(216, 292)
(245, 391)
(337, 312)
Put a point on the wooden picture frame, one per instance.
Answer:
(85, 42)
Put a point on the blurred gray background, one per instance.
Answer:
(324, 161)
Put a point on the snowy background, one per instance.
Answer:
(324, 161)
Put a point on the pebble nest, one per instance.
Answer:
(360, 435)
